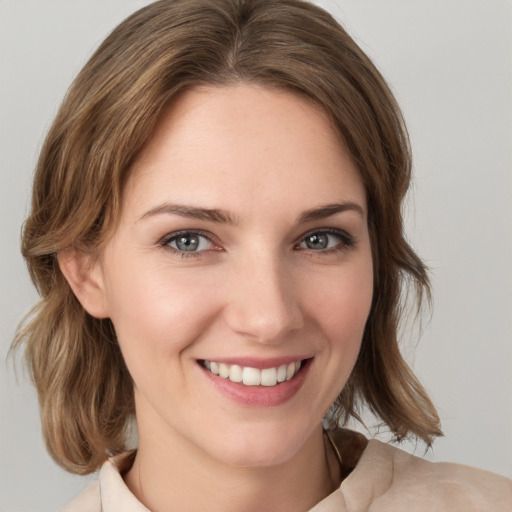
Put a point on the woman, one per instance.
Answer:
(217, 238)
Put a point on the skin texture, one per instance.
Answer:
(254, 289)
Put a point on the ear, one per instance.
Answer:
(83, 273)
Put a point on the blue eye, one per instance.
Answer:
(326, 240)
(186, 241)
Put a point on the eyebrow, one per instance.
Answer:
(223, 217)
(193, 212)
(327, 210)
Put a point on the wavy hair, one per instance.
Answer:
(110, 112)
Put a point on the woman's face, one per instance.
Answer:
(243, 250)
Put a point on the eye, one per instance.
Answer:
(188, 241)
(326, 240)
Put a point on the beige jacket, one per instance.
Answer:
(381, 478)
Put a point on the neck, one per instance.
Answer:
(174, 472)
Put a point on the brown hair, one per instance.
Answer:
(109, 113)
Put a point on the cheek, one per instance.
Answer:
(158, 312)
(341, 303)
(338, 310)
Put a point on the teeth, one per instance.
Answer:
(253, 376)
(290, 371)
(269, 377)
(235, 373)
(281, 373)
(223, 370)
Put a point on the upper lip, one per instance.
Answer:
(256, 362)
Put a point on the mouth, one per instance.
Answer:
(250, 376)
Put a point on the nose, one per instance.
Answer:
(263, 301)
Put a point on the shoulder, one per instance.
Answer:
(109, 493)
(390, 479)
(87, 501)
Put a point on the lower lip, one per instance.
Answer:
(259, 396)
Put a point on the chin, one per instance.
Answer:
(259, 447)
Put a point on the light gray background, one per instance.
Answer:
(449, 63)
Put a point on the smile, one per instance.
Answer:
(249, 376)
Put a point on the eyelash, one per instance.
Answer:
(164, 243)
(345, 240)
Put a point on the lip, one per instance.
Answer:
(259, 396)
(260, 364)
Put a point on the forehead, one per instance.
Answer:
(244, 145)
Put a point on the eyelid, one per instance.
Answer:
(169, 237)
(346, 240)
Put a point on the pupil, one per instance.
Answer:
(187, 243)
(317, 241)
